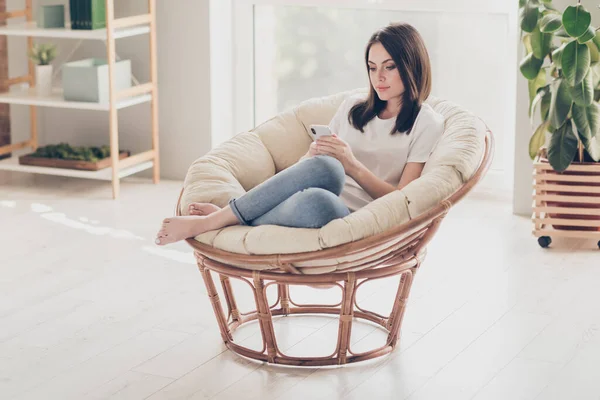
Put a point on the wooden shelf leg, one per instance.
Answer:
(31, 67)
(154, 78)
(113, 119)
(5, 131)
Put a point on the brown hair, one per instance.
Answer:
(406, 47)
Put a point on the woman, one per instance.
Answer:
(380, 143)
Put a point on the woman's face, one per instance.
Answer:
(384, 74)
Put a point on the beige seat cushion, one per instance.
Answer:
(252, 157)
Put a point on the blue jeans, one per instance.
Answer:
(304, 195)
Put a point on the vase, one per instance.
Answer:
(43, 80)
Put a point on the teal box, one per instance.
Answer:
(87, 80)
(51, 16)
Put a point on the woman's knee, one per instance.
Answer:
(324, 205)
(330, 172)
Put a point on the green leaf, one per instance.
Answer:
(545, 106)
(557, 56)
(562, 33)
(550, 23)
(530, 14)
(594, 52)
(530, 67)
(576, 20)
(587, 120)
(596, 39)
(538, 140)
(563, 147)
(560, 105)
(592, 146)
(590, 34)
(548, 6)
(588, 123)
(538, 97)
(540, 43)
(522, 3)
(527, 43)
(575, 62)
(595, 75)
(583, 92)
(536, 84)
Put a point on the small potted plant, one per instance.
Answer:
(63, 155)
(562, 65)
(42, 55)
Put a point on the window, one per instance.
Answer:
(298, 50)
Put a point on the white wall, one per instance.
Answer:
(523, 165)
(522, 188)
(221, 68)
(184, 87)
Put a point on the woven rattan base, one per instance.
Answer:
(347, 309)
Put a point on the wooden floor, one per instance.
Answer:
(90, 308)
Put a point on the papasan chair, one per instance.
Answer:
(386, 238)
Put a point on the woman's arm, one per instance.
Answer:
(377, 187)
(411, 171)
(370, 183)
(374, 186)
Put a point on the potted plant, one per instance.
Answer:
(562, 65)
(42, 55)
(63, 155)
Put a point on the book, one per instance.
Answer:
(74, 10)
(98, 14)
(88, 14)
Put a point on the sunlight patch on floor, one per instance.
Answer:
(187, 258)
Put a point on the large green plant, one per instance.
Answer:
(563, 68)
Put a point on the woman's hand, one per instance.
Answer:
(312, 150)
(335, 147)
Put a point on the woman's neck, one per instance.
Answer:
(393, 106)
(392, 109)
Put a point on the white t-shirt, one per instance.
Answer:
(382, 153)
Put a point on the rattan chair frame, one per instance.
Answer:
(402, 256)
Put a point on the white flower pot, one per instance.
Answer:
(43, 80)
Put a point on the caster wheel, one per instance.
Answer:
(545, 241)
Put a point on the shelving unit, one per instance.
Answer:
(142, 93)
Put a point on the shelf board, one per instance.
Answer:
(31, 29)
(12, 164)
(29, 97)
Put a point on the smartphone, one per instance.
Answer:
(320, 130)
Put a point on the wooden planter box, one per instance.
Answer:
(69, 164)
(566, 204)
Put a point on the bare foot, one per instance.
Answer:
(175, 229)
(202, 209)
